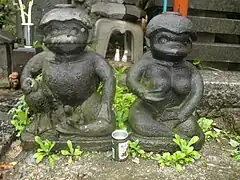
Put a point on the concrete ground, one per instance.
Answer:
(215, 164)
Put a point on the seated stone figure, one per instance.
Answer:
(66, 104)
(168, 87)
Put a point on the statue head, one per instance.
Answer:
(66, 29)
(170, 36)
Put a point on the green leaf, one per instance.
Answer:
(70, 160)
(158, 157)
(195, 154)
(179, 167)
(55, 157)
(70, 146)
(65, 152)
(77, 152)
(39, 157)
(177, 140)
(51, 160)
(166, 155)
(189, 150)
(193, 140)
(40, 142)
(179, 155)
(196, 61)
(141, 151)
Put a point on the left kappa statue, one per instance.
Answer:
(66, 103)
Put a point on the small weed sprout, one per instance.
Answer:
(71, 152)
(208, 128)
(134, 150)
(45, 150)
(185, 155)
(20, 116)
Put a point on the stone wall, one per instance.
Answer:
(3, 61)
(222, 98)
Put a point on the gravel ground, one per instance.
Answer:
(6, 132)
(8, 99)
(215, 164)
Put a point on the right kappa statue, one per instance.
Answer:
(168, 88)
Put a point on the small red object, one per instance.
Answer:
(181, 6)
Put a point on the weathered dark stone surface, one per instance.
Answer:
(110, 10)
(65, 103)
(216, 52)
(134, 11)
(214, 5)
(6, 133)
(8, 99)
(221, 99)
(168, 88)
(87, 143)
(216, 25)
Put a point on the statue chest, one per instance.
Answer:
(176, 80)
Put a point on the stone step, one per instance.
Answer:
(221, 99)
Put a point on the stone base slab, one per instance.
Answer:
(86, 143)
(161, 144)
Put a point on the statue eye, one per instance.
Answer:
(162, 40)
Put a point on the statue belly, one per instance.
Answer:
(73, 84)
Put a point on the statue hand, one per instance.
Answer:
(170, 114)
(29, 85)
(152, 95)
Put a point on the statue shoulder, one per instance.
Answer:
(43, 55)
(147, 58)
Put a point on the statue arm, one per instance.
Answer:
(106, 75)
(195, 96)
(134, 77)
(33, 66)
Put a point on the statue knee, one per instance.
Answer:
(190, 127)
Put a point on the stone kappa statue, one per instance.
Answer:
(168, 87)
(66, 104)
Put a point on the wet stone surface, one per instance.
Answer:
(215, 164)
(8, 99)
(6, 132)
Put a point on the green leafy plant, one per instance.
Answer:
(123, 100)
(20, 116)
(71, 152)
(185, 155)
(208, 128)
(235, 143)
(7, 12)
(39, 44)
(198, 63)
(134, 150)
(45, 150)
